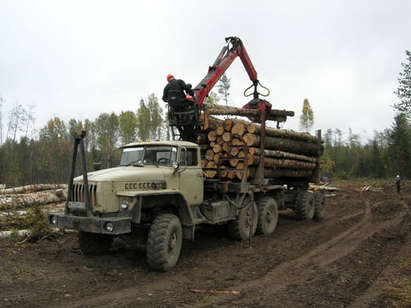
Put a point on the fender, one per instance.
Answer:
(165, 197)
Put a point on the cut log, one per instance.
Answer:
(233, 162)
(227, 124)
(238, 128)
(31, 188)
(280, 163)
(217, 148)
(274, 115)
(234, 151)
(204, 163)
(209, 154)
(212, 135)
(211, 170)
(281, 154)
(226, 147)
(220, 130)
(283, 144)
(223, 171)
(239, 173)
(281, 133)
(227, 137)
(220, 140)
(237, 142)
(32, 199)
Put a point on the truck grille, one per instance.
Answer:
(78, 194)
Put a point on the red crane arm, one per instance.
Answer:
(223, 61)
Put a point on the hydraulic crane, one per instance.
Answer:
(188, 122)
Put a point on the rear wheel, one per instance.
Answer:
(93, 243)
(304, 205)
(267, 215)
(239, 229)
(164, 242)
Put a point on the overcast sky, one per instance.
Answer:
(76, 59)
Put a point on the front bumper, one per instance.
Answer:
(120, 225)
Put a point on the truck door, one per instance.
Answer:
(191, 179)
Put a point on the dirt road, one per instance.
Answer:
(359, 256)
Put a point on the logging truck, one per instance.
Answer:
(219, 171)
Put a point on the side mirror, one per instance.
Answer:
(189, 86)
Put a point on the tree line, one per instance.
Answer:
(46, 157)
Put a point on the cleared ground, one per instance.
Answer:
(359, 256)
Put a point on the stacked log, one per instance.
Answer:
(231, 150)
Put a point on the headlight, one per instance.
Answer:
(53, 220)
(124, 204)
(109, 226)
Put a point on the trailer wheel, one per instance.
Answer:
(304, 206)
(267, 215)
(319, 202)
(94, 244)
(164, 242)
(239, 229)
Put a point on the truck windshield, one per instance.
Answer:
(149, 155)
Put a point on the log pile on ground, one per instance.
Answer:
(23, 209)
(229, 146)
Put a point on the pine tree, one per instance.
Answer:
(400, 145)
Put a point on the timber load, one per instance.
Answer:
(231, 148)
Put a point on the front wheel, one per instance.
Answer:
(164, 242)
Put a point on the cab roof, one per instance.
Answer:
(169, 143)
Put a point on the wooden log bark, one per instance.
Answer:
(282, 144)
(281, 163)
(275, 114)
(281, 154)
(32, 199)
(281, 133)
(282, 173)
(31, 188)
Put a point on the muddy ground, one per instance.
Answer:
(359, 256)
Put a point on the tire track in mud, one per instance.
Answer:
(298, 270)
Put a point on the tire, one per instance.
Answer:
(267, 215)
(93, 243)
(164, 242)
(239, 229)
(304, 206)
(319, 202)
